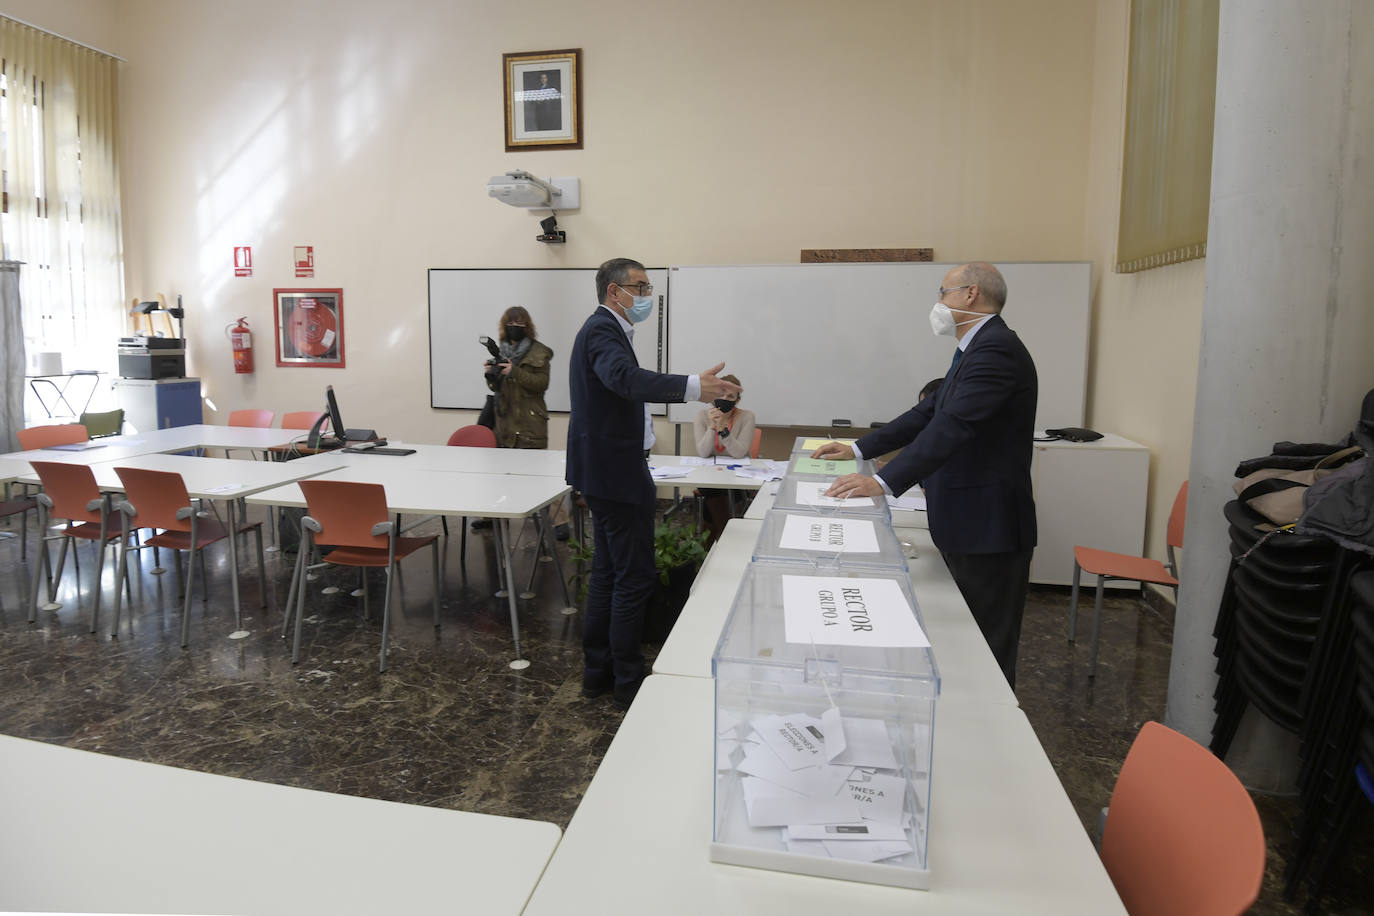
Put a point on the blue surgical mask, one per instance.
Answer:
(640, 310)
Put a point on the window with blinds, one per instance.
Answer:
(60, 207)
(1166, 173)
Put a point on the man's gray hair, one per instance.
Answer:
(617, 271)
(989, 281)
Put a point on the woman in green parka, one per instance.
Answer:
(522, 420)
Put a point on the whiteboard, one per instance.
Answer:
(815, 342)
(466, 303)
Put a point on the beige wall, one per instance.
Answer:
(1147, 326)
(717, 132)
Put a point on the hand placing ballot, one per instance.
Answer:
(836, 450)
(852, 485)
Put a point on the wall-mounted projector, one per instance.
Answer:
(521, 189)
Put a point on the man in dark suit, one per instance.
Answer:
(971, 445)
(610, 432)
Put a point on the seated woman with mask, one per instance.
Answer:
(723, 431)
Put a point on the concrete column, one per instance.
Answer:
(1288, 317)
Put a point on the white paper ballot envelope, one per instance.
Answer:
(812, 493)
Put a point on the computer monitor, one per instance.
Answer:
(335, 420)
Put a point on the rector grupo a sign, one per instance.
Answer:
(849, 612)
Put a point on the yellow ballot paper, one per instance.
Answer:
(824, 466)
(812, 444)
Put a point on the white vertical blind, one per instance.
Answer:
(1166, 174)
(58, 148)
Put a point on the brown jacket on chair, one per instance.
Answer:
(522, 420)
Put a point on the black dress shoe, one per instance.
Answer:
(592, 691)
(482, 524)
(624, 696)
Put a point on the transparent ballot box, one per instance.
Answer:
(805, 445)
(803, 465)
(828, 541)
(825, 707)
(806, 494)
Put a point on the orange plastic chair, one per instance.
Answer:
(352, 518)
(473, 437)
(1182, 834)
(158, 499)
(758, 440)
(48, 436)
(70, 493)
(300, 419)
(20, 506)
(261, 418)
(1107, 565)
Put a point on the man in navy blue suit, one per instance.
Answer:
(971, 445)
(610, 432)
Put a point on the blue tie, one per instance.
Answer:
(958, 355)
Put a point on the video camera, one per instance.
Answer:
(493, 374)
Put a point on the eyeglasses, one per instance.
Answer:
(944, 292)
(640, 289)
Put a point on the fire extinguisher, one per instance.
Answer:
(241, 338)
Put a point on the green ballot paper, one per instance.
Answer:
(824, 466)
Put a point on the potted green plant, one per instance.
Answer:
(679, 551)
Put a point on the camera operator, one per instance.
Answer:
(519, 376)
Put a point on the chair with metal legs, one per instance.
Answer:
(158, 500)
(1108, 565)
(70, 493)
(351, 519)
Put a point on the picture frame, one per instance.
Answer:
(543, 99)
(309, 327)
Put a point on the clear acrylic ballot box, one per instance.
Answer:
(825, 707)
(804, 493)
(804, 465)
(828, 541)
(805, 445)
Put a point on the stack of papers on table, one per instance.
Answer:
(832, 784)
(668, 473)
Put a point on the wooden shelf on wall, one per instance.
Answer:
(865, 255)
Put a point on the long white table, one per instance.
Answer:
(1004, 836)
(457, 458)
(205, 478)
(967, 667)
(416, 491)
(89, 832)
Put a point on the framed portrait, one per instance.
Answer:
(543, 96)
(309, 327)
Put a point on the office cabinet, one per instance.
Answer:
(1089, 493)
(158, 403)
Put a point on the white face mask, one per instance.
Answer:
(942, 322)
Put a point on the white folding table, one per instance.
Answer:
(416, 491)
(94, 833)
(1004, 837)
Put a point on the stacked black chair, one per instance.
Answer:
(1350, 793)
(1277, 590)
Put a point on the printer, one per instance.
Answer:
(152, 357)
